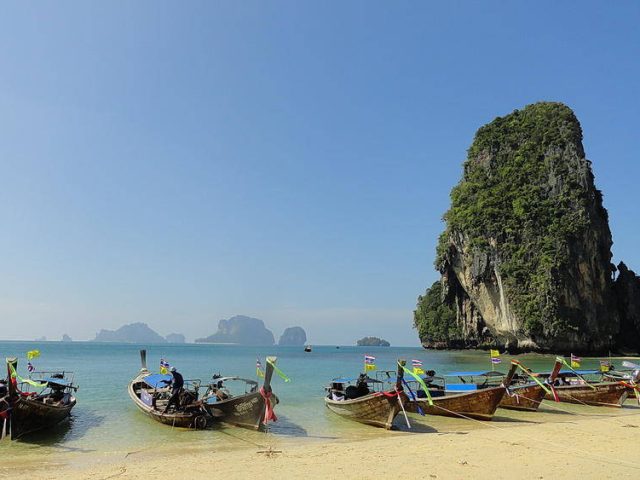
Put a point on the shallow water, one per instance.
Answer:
(106, 421)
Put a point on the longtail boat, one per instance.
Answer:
(357, 402)
(571, 386)
(150, 393)
(252, 409)
(37, 403)
(472, 399)
(526, 395)
(628, 375)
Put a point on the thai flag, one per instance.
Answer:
(258, 364)
(30, 367)
(495, 360)
(416, 363)
(575, 358)
(369, 359)
(164, 363)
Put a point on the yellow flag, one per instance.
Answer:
(369, 366)
(575, 364)
(163, 370)
(259, 373)
(418, 371)
(31, 354)
(495, 353)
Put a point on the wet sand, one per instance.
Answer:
(565, 442)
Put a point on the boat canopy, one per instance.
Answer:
(62, 382)
(157, 380)
(571, 372)
(231, 379)
(350, 380)
(479, 373)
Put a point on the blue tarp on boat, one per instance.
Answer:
(461, 387)
(58, 381)
(157, 380)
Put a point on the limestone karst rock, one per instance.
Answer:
(525, 259)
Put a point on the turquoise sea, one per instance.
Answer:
(106, 421)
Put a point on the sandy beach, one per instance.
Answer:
(585, 442)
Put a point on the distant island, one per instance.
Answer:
(132, 333)
(372, 342)
(240, 330)
(295, 336)
(66, 338)
(175, 338)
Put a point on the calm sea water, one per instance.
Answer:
(105, 419)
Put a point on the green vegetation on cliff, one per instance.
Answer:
(434, 319)
(522, 200)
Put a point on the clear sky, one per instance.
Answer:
(179, 163)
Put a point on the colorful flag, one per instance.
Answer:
(605, 366)
(259, 372)
(31, 354)
(369, 363)
(495, 357)
(416, 363)
(30, 367)
(575, 361)
(164, 366)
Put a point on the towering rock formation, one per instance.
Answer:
(293, 336)
(241, 330)
(627, 294)
(525, 259)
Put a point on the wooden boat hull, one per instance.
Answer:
(374, 409)
(194, 418)
(605, 394)
(247, 411)
(479, 404)
(527, 398)
(30, 415)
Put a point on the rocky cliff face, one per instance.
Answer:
(627, 293)
(241, 330)
(293, 336)
(525, 259)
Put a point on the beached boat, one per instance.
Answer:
(526, 395)
(474, 397)
(628, 375)
(573, 386)
(150, 393)
(252, 409)
(38, 403)
(359, 403)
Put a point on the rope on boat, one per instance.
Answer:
(586, 455)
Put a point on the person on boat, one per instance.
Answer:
(177, 384)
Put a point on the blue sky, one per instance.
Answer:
(179, 164)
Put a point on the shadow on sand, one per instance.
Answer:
(75, 427)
